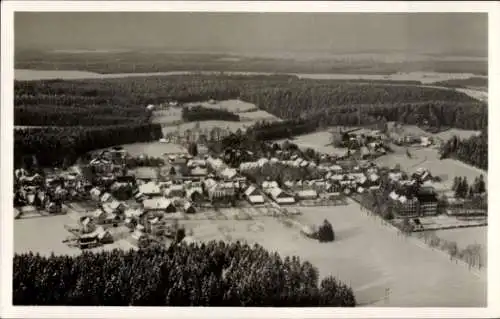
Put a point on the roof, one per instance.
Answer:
(279, 193)
(252, 191)
(105, 197)
(256, 198)
(149, 188)
(157, 203)
(307, 193)
(269, 184)
(229, 173)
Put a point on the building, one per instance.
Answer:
(267, 186)
(174, 190)
(194, 194)
(281, 197)
(150, 189)
(428, 202)
(220, 190)
(159, 204)
(198, 172)
(106, 197)
(403, 206)
(253, 195)
(307, 194)
(228, 173)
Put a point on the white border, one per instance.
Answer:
(8, 7)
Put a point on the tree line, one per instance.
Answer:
(211, 274)
(199, 113)
(473, 150)
(55, 146)
(331, 102)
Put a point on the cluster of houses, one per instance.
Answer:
(48, 192)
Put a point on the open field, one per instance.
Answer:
(463, 134)
(318, 141)
(235, 106)
(44, 235)
(366, 254)
(468, 236)
(155, 149)
(428, 158)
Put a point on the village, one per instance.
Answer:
(113, 195)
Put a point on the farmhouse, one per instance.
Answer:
(281, 197)
(253, 195)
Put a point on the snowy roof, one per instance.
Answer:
(157, 203)
(105, 197)
(307, 193)
(149, 188)
(250, 190)
(393, 195)
(256, 198)
(229, 173)
(269, 184)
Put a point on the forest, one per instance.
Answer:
(305, 105)
(199, 113)
(56, 146)
(209, 274)
(473, 150)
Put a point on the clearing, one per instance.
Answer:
(369, 256)
(45, 235)
(319, 141)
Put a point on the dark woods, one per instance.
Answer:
(213, 274)
(118, 105)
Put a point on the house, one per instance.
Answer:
(198, 172)
(228, 173)
(333, 188)
(188, 208)
(428, 202)
(145, 173)
(404, 206)
(253, 195)
(103, 236)
(101, 165)
(267, 186)
(99, 216)
(174, 190)
(150, 189)
(158, 204)
(138, 238)
(307, 194)
(281, 197)
(95, 194)
(115, 207)
(32, 180)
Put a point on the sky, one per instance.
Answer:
(452, 33)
